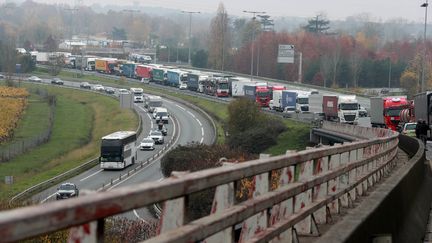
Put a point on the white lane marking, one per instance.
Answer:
(190, 113)
(202, 140)
(136, 214)
(202, 131)
(181, 107)
(46, 199)
(143, 168)
(199, 122)
(85, 178)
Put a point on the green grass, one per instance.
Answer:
(81, 119)
(296, 137)
(34, 121)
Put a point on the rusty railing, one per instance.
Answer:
(313, 185)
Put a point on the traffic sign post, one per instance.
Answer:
(285, 54)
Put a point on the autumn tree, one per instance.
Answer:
(409, 81)
(219, 41)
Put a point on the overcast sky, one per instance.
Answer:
(380, 10)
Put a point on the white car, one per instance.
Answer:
(34, 79)
(147, 144)
(99, 87)
(183, 86)
(157, 136)
(123, 91)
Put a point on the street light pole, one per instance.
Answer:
(190, 33)
(253, 37)
(424, 5)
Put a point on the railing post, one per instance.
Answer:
(352, 175)
(285, 208)
(173, 211)
(223, 199)
(343, 179)
(333, 185)
(320, 191)
(305, 172)
(258, 222)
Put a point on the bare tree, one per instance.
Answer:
(219, 41)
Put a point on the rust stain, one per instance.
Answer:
(302, 205)
(290, 175)
(215, 203)
(333, 188)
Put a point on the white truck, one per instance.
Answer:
(237, 87)
(151, 102)
(138, 95)
(316, 103)
(348, 109)
(302, 105)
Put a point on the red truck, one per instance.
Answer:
(259, 93)
(385, 111)
(144, 73)
(216, 86)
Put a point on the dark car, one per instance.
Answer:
(67, 190)
(162, 128)
(57, 81)
(109, 90)
(85, 85)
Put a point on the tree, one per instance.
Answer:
(409, 81)
(319, 25)
(220, 41)
(50, 44)
(199, 59)
(118, 34)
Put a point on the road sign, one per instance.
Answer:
(285, 54)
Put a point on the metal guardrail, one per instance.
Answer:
(312, 185)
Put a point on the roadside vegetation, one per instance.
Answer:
(81, 119)
(13, 102)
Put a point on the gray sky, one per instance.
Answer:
(380, 10)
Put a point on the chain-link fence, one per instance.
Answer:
(20, 146)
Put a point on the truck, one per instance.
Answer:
(144, 72)
(237, 87)
(128, 70)
(175, 77)
(302, 101)
(159, 75)
(138, 95)
(260, 94)
(283, 100)
(41, 57)
(217, 86)
(330, 107)
(316, 103)
(85, 62)
(423, 108)
(151, 102)
(234, 80)
(385, 111)
(105, 65)
(196, 80)
(348, 109)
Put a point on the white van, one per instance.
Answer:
(160, 113)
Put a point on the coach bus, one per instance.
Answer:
(118, 150)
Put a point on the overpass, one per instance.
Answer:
(376, 187)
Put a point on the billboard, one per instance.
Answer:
(285, 54)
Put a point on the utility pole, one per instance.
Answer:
(253, 38)
(424, 5)
(190, 33)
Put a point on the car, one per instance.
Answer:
(99, 87)
(362, 112)
(408, 129)
(57, 81)
(183, 86)
(34, 79)
(157, 136)
(85, 85)
(162, 128)
(67, 190)
(145, 80)
(109, 90)
(123, 91)
(147, 144)
(2, 76)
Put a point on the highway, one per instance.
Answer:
(191, 126)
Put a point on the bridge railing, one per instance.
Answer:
(311, 186)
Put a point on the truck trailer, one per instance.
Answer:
(385, 111)
(259, 93)
(144, 72)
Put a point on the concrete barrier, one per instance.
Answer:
(397, 210)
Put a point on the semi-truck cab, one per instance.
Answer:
(348, 107)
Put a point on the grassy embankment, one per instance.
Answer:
(295, 138)
(81, 119)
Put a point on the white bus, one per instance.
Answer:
(138, 95)
(118, 150)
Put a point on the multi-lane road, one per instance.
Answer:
(185, 126)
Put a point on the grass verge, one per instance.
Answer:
(296, 137)
(81, 119)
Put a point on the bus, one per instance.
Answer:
(138, 95)
(118, 150)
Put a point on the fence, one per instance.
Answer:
(313, 184)
(20, 146)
